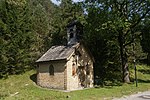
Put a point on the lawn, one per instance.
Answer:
(23, 87)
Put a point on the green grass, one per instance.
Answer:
(26, 89)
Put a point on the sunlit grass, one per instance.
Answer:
(21, 87)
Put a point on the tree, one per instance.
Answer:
(15, 37)
(102, 44)
(122, 18)
(24, 25)
(64, 14)
(146, 39)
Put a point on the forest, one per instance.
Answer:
(117, 32)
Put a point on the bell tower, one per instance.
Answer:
(74, 32)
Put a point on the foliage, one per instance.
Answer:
(65, 13)
(24, 25)
(102, 44)
(146, 39)
(15, 37)
(30, 27)
(115, 22)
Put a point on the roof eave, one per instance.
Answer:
(65, 59)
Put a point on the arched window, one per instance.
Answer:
(87, 69)
(51, 70)
(73, 69)
(71, 35)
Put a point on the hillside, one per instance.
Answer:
(23, 87)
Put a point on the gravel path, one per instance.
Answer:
(139, 96)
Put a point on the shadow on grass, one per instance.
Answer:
(108, 84)
(144, 71)
(34, 78)
(143, 81)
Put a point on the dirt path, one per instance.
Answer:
(139, 96)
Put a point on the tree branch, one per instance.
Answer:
(129, 43)
(138, 21)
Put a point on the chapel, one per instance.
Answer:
(67, 67)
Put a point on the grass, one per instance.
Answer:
(22, 87)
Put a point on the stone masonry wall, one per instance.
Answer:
(72, 80)
(55, 81)
(86, 60)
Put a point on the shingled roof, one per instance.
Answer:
(57, 53)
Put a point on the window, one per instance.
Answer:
(51, 70)
(87, 69)
(73, 69)
(71, 35)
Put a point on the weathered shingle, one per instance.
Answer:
(57, 53)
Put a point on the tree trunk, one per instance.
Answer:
(124, 59)
(125, 70)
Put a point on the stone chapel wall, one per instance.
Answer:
(55, 81)
(72, 80)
